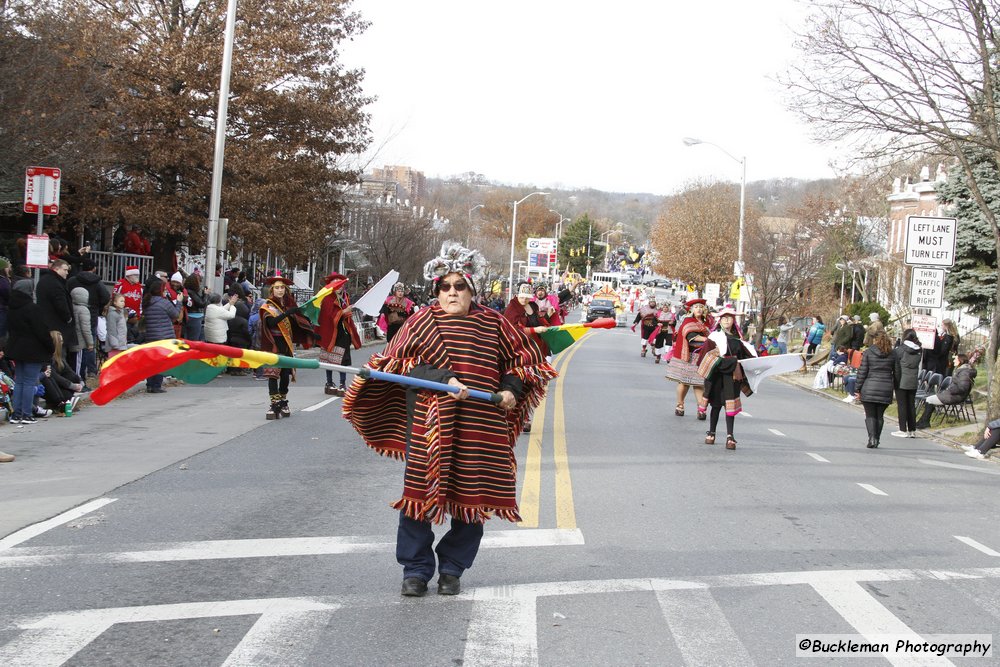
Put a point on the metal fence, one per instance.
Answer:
(111, 265)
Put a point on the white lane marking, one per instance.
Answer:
(984, 469)
(55, 638)
(869, 617)
(776, 432)
(503, 632)
(872, 489)
(744, 413)
(320, 404)
(976, 545)
(276, 547)
(36, 529)
(700, 629)
(817, 457)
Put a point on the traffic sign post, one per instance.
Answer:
(41, 196)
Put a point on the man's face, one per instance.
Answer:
(132, 279)
(454, 294)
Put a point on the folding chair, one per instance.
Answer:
(929, 389)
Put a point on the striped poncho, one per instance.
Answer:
(461, 453)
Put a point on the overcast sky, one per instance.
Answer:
(561, 93)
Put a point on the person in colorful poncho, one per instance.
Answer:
(647, 317)
(394, 312)
(719, 363)
(282, 327)
(683, 368)
(337, 334)
(459, 453)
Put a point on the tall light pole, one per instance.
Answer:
(555, 269)
(468, 230)
(211, 243)
(688, 141)
(513, 234)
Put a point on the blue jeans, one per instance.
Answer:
(194, 328)
(456, 550)
(24, 388)
(783, 347)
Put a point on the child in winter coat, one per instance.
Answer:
(115, 315)
(84, 360)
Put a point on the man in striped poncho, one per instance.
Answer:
(459, 453)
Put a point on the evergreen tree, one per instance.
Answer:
(972, 282)
(578, 243)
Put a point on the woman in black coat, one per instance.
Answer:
(876, 377)
(29, 346)
(907, 362)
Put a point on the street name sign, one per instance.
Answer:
(42, 183)
(930, 241)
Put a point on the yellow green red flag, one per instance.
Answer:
(311, 307)
(561, 337)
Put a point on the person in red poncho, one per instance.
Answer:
(683, 366)
(459, 452)
(337, 333)
(282, 327)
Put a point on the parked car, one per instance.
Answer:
(600, 308)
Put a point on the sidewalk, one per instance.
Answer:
(953, 435)
(63, 462)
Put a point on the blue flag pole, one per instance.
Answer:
(408, 381)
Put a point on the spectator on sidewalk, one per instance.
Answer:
(963, 379)
(54, 302)
(876, 327)
(842, 333)
(97, 292)
(814, 337)
(991, 436)
(784, 327)
(131, 289)
(159, 314)
(116, 316)
(217, 316)
(857, 333)
(876, 378)
(197, 301)
(60, 384)
(29, 346)
(82, 356)
(907, 360)
(5, 285)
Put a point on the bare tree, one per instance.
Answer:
(895, 77)
(396, 239)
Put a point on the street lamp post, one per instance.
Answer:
(688, 141)
(211, 243)
(513, 234)
(468, 230)
(555, 269)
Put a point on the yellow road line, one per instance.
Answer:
(532, 488)
(565, 511)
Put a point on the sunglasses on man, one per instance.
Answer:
(459, 285)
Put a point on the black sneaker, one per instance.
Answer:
(413, 587)
(28, 420)
(449, 584)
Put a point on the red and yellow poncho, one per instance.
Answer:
(461, 457)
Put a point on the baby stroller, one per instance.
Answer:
(6, 396)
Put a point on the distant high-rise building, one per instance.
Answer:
(410, 184)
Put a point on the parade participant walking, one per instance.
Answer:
(337, 332)
(459, 453)
(876, 377)
(646, 316)
(663, 338)
(719, 364)
(906, 358)
(282, 327)
(394, 311)
(131, 289)
(682, 369)
(524, 313)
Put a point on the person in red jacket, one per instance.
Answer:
(337, 333)
(130, 288)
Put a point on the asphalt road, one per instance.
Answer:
(271, 543)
